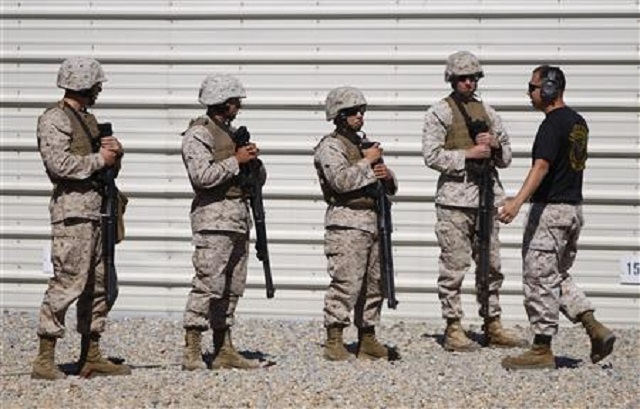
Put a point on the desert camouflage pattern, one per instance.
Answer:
(198, 153)
(351, 241)
(462, 63)
(458, 187)
(220, 261)
(548, 252)
(78, 276)
(54, 143)
(79, 73)
(455, 230)
(356, 284)
(330, 155)
(342, 98)
(218, 88)
(220, 229)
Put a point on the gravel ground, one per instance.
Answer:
(426, 376)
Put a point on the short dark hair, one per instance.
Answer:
(544, 70)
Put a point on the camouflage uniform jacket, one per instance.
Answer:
(456, 186)
(209, 212)
(73, 196)
(331, 156)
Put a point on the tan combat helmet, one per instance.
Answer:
(80, 73)
(218, 88)
(342, 98)
(462, 63)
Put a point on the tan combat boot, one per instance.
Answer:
(455, 338)
(96, 365)
(192, 356)
(368, 345)
(602, 338)
(334, 349)
(44, 366)
(499, 337)
(538, 357)
(226, 355)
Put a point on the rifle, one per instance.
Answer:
(383, 211)
(251, 181)
(109, 225)
(484, 222)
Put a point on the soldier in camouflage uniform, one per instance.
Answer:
(448, 148)
(220, 222)
(74, 157)
(351, 238)
(554, 186)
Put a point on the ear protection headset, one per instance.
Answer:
(550, 85)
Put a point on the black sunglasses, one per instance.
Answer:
(533, 87)
(471, 77)
(354, 110)
(235, 101)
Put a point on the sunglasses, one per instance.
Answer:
(471, 77)
(235, 101)
(533, 87)
(354, 110)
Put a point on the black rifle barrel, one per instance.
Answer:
(383, 205)
(262, 249)
(484, 228)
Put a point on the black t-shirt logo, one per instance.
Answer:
(578, 147)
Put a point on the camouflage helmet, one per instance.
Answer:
(342, 98)
(462, 63)
(218, 88)
(79, 73)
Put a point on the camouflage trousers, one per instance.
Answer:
(456, 232)
(78, 269)
(548, 252)
(220, 262)
(354, 267)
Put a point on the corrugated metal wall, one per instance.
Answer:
(289, 54)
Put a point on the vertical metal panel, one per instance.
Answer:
(289, 54)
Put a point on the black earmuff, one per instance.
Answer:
(550, 85)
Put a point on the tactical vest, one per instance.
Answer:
(81, 143)
(458, 135)
(357, 199)
(224, 148)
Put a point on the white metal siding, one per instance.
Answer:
(289, 54)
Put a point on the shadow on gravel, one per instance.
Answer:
(439, 338)
(259, 356)
(566, 362)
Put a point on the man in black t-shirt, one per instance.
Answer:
(554, 187)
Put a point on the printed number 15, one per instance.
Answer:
(633, 268)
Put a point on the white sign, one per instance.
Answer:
(630, 269)
(47, 266)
